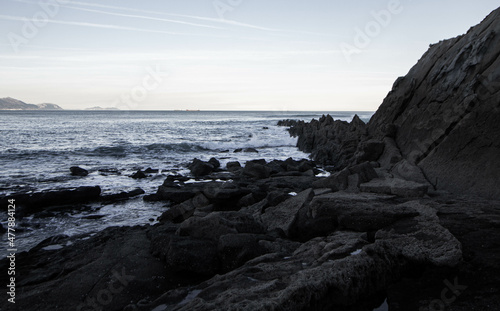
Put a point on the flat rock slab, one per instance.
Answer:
(396, 186)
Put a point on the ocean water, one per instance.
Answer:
(37, 148)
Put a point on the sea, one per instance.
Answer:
(37, 148)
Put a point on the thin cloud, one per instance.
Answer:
(130, 15)
(106, 26)
(210, 19)
(202, 18)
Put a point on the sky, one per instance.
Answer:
(281, 55)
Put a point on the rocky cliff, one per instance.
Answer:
(447, 112)
(442, 118)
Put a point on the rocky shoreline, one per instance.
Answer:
(274, 236)
(407, 217)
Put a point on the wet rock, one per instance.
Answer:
(257, 171)
(200, 168)
(78, 171)
(35, 202)
(247, 150)
(177, 194)
(233, 166)
(215, 163)
(122, 195)
(151, 171)
(109, 171)
(139, 175)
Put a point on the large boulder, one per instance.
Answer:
(256, 170)
(201, 168)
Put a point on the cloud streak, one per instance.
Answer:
(105, 26)
(129, 15)
(201, 18)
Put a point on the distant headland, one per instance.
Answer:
(9, 103)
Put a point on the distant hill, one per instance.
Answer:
(9, 103)
(100, 108)
(47, 106)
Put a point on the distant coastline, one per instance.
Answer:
(9, 103)
(100, 108)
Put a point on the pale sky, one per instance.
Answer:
(321, 55)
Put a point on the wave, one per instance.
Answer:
(118, 151)
(256, 141)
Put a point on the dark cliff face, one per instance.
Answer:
(447, 112)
